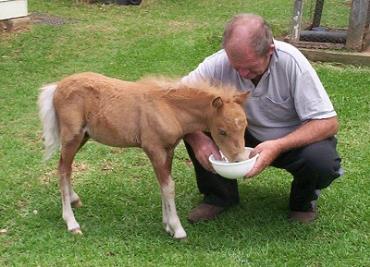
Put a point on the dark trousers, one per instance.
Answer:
(313, 167)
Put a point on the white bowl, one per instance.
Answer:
(234, 170)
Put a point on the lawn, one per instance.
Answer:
(121, 217)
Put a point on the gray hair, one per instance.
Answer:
(260, 34)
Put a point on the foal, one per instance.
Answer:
(152, 114)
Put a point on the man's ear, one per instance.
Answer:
(242, 97)
(271, 49)
(217, 103)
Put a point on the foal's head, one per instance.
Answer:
(228, 124)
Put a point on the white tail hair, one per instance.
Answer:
(49, 120)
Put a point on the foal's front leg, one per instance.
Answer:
(171, 220)
(162, 166)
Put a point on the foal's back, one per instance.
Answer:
(99, 87)
(108, 109)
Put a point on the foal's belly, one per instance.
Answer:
(112, 137)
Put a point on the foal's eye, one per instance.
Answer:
(222, 132)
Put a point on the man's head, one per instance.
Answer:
(248, 44)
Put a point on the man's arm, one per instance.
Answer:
(310, 132)
(202, 146)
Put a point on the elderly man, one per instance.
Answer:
(291, 120)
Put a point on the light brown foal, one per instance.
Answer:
(153, 114)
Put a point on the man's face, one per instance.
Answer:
(248, 64)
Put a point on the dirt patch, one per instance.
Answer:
(24, 23)
(44, 18)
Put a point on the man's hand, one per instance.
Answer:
(203, 146)
(268, 152)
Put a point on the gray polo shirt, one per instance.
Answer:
(288, 94)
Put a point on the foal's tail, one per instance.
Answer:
(49, 120)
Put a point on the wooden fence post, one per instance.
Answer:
(358, 24)
(297, 19)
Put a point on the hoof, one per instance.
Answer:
(180, 235)
(176, 233)
(76, 231)
(77, 204)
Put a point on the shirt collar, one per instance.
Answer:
(274, 58)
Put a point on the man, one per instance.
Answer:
(291, 121)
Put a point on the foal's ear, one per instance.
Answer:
(217, 102)
(242, 97)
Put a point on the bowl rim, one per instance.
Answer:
(223, 163)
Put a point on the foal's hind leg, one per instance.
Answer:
(70, 145)
(75, 199)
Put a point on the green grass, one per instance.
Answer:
(121, 217)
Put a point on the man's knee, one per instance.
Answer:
(323, 160)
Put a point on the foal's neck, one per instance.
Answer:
(192, 108)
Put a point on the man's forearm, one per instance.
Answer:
(310, 132)
(192, 137)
